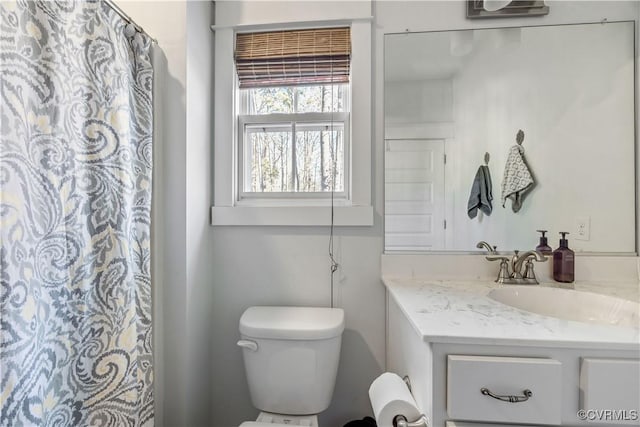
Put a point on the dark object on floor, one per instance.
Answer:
(365, 422)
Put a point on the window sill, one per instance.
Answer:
(347, 216)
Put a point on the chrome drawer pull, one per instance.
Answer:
(512, 399)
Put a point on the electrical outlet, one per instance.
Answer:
(583, 228)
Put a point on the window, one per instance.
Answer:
(293, 115)
(248, 189)
(294, 142)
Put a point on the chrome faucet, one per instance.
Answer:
(482, 244)
(510, 272)
(518, 260)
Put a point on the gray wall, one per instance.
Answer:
(199, 286)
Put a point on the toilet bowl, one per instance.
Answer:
(291, 359)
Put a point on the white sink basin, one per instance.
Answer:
(571, 305)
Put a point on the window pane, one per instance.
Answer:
(320, 99)
(317, 149)
(274, 162)
(297, 99)
(269, 100)
(269, 160)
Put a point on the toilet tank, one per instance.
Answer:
(291, 357)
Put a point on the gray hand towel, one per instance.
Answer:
(481, 193)
(517, 179)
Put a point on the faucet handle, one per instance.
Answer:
(528, 271)
(503, 274)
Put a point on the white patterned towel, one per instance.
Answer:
(517, 179)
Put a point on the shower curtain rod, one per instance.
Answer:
(127, 18)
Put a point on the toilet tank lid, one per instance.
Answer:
(292, 323)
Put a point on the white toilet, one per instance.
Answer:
(291, 358)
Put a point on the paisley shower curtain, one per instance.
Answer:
(75, 201)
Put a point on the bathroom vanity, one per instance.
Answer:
(478, 353)
(474, 361)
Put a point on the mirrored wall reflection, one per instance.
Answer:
(454, 103)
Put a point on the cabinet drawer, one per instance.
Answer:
(504, 376)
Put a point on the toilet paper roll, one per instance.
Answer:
(390, 396)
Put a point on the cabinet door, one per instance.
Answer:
(494, 389)
(610, 390)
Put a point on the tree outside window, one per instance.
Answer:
(293, 139)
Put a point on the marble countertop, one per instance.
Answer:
(446, 311)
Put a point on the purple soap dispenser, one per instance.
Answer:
(543, 247)
(563, 261)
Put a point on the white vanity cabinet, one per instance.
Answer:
(569, 384)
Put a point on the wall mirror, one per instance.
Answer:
(452, 97)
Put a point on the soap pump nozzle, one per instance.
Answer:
(543, 247)
(564, 243)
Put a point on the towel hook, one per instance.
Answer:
(520, 137)
(486, 158)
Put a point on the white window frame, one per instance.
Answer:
(357, 209)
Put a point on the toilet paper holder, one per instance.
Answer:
(401, 421)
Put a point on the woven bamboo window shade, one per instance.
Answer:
(284, 58)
